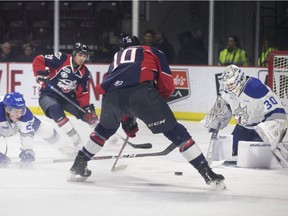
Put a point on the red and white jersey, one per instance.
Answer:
(64, 77)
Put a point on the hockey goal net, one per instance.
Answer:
(278, 75)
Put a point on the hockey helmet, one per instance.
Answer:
(80, 48)
(128, 40)
(233, 78)
(14, 100)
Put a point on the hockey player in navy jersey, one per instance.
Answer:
(69, 75)
(138, 81)
(259, 113)
(15, 118)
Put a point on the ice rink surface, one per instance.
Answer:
(147, 187)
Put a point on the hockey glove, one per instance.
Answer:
(130, 126)
(27, 155)
(90, 116)
(4, 160)
(43, 76)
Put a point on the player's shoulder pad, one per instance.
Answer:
(254, 88)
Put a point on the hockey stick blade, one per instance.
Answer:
(134, 145)
(141, 145)
(166, 151)
(119, 168)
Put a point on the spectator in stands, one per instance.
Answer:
(192, 51)
(149, 38)
(233, 54)
(6, 54)
(28, 54)
(162, 44)
(266, 48)
(200, 49)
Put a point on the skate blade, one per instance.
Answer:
(76, 178)
(218, 185)
(119, 168)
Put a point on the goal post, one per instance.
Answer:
(278, 75)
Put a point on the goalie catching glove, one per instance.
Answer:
(218, 117)
(43, 76)
(90, 116)
(130, 126)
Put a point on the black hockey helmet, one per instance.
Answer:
(80, 48)
(128, 40)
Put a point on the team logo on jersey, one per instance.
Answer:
(64, 75)
(241, 115)
(182, 86)
(67, 85)
(118, 83)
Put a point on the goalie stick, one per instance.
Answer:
(166, 151)
(142, 145)
(211, 146)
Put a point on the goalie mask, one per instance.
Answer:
(233, 79)
(14, 104)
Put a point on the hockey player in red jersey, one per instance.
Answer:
(67, 74)
(138, 81)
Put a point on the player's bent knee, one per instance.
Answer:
(47, 132)
(178, 134)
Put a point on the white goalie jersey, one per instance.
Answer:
(254, 104)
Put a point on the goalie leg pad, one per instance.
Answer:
(271, 131)
(281, 154)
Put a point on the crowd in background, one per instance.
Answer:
(192, 50)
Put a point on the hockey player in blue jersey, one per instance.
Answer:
(259, 113)
(15, 118)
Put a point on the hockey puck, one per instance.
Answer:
(178, 173)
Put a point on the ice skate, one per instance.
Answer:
(211, 178)
(79, 171)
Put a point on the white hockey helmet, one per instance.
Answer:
(233, 78)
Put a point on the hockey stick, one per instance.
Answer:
(66, 98)
(166, 151)
(211, 146)
(134, 145)
(144, 145)
(114, 168)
